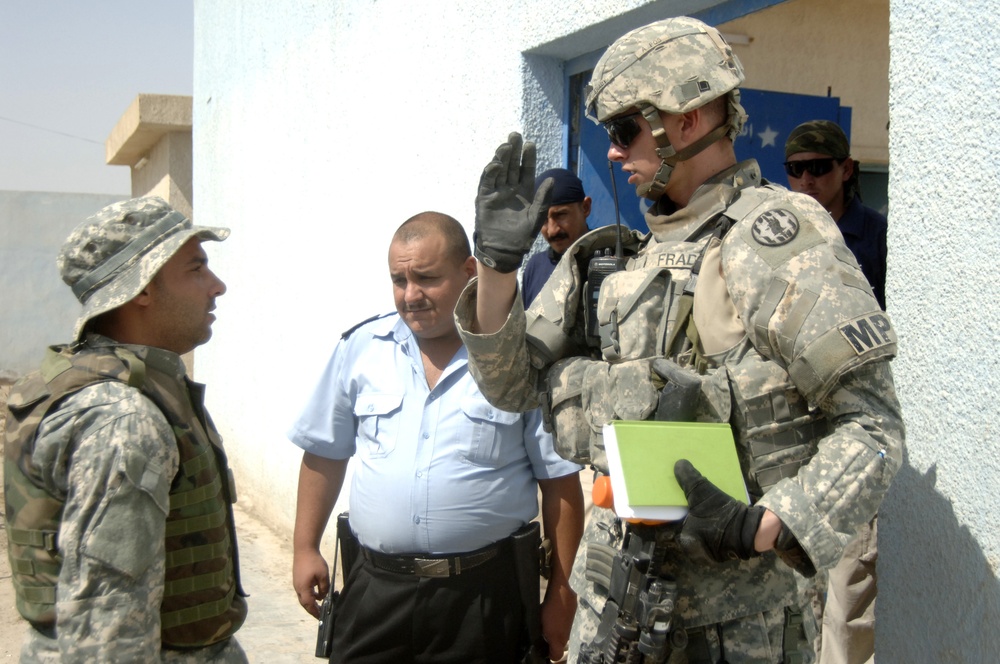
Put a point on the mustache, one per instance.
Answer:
(561, 235)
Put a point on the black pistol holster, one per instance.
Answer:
(349, 549)
(531, 562)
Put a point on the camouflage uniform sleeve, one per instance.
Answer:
(113, 455)
(843, 485)
(807, 306)
(499, 362)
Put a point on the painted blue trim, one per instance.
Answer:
(732, 10)
(564, 157)
(582, 63)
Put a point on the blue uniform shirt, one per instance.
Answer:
(435, 471)
(865, 232)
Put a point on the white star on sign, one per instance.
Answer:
(767, 136)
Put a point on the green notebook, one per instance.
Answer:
(641, 457)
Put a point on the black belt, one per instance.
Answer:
(433, 566)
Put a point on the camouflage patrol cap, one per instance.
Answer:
(820, 136)
(677, 64)
(109, 258)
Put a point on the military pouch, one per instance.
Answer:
(631, 312)
(780, 429)
(598, 408)
(570, 424)
(633, 395)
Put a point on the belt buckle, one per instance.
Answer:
(436, 568)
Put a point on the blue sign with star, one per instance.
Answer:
(773, 115)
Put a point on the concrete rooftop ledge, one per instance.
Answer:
(145, 121)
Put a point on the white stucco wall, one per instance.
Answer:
(38, 309)
(318, 129)
(939, 598)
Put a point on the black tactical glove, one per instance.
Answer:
(509, 212)
(724, 526)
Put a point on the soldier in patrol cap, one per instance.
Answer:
(745, 291)
(118, 494)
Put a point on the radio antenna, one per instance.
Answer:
(618, 216)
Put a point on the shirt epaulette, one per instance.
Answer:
(351, 330)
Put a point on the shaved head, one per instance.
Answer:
(425, 224)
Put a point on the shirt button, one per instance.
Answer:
(426, 435)
(420, 473)
(416, 519)
(371, 407)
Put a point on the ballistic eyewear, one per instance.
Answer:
(623, 129)
(815, 167)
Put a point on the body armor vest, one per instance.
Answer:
(704, 292)
(644, 312)
(203, 601)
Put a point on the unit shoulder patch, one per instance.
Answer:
(775, 228)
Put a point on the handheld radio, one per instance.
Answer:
(601, 264)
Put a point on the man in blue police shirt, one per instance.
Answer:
(438, 473)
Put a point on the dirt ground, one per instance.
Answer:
(277, 630)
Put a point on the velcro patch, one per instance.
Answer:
(775, 228)
(868, 332)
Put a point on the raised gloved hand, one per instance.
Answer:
(724, 526)
(509, 212)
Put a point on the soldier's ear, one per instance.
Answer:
(145, 297)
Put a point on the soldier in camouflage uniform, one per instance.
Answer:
(118, 495)
(743, 287)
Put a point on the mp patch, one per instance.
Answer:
(868, 332)
(775, 228)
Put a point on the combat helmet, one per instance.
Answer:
(675, 65)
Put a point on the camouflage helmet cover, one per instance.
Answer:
(109, 258)
(676, 65)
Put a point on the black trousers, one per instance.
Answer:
(469, 618)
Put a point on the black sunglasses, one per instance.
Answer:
(815, 167)
(623, 130)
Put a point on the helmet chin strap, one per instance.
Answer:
(669, 157)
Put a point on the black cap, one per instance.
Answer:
(567, 188)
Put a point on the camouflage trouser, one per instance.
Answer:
(759, 638)
(39, 648)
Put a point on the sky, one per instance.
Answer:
(68, 71)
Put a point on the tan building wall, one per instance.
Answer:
(153, 137)
(811, 46)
